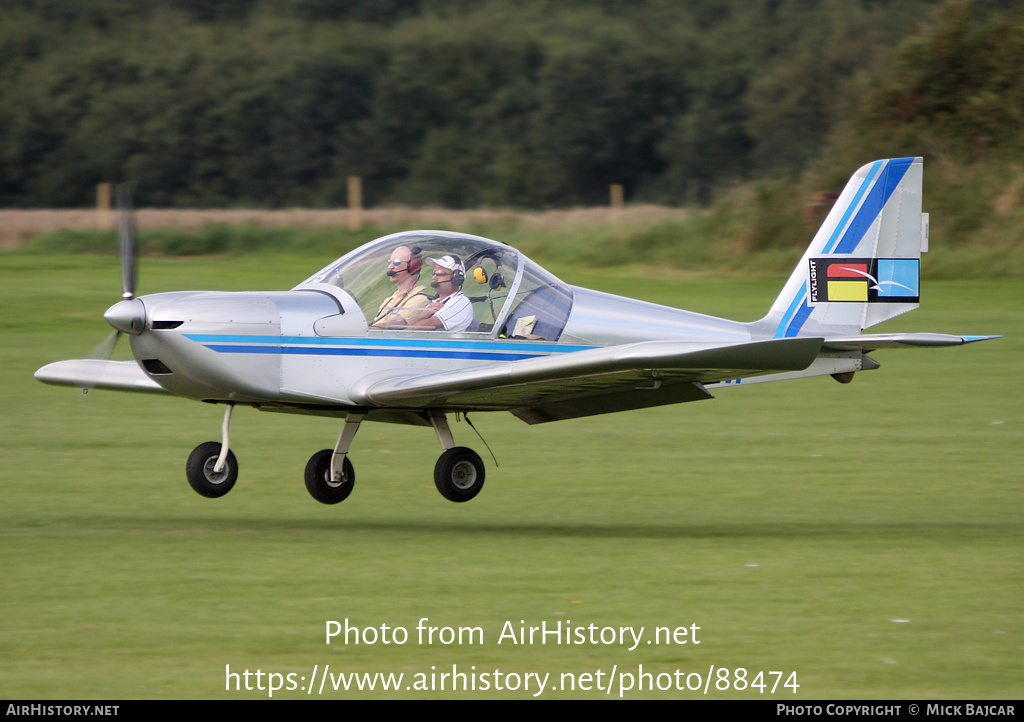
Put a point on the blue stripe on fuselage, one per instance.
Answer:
(384, 347)
(376, 352)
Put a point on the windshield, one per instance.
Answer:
(500, 282)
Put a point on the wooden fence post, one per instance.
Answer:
(104, 218)
(618, 204)
(355, 203)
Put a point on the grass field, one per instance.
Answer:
(867, 537)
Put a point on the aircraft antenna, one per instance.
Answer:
(482, 439)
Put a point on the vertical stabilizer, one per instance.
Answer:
(864, 264)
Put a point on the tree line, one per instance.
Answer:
(466, 103)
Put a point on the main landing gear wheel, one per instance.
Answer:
(201, 475)
(459, 474)
(318, 478)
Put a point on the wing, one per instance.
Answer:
(99, 374)
(595, 381)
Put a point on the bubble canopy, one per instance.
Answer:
(511, 295)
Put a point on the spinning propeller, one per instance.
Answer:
(129, 314)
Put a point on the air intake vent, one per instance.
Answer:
(165, 325)
(155, 366)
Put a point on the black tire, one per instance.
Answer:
(459, 474)
(201, 476)
(319, 484)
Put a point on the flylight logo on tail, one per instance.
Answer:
(865, 280)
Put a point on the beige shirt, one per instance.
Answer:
(408, 305)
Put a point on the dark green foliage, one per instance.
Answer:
(959, 85)
(602, 111)
(476, 102)
(777, 221)
(954, 94)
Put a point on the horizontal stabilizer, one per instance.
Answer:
(870, 342)
(99, 374)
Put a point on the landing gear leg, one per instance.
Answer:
(348, 432)
(444, 434)
(459, 473)
(225, 435)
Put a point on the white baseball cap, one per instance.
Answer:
(451, 263)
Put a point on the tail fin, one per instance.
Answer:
(863, 266)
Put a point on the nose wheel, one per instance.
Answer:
(203, 474)
(211, 468)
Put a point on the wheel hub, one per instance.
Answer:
(464, 475)
(331, 482)
(212, 476)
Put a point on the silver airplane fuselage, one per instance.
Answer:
(514, 338)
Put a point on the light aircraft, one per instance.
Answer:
(536, 347)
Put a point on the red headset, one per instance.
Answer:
(415, 262)
(413, 265)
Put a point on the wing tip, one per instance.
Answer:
(98, 374)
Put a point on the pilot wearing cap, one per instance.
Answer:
(452, 311)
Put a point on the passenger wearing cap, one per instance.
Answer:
(452, 311)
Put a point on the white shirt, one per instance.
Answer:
(456, 314)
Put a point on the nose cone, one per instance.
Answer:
(127, 316)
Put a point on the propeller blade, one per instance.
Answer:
(105, 349)
(126, 236)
